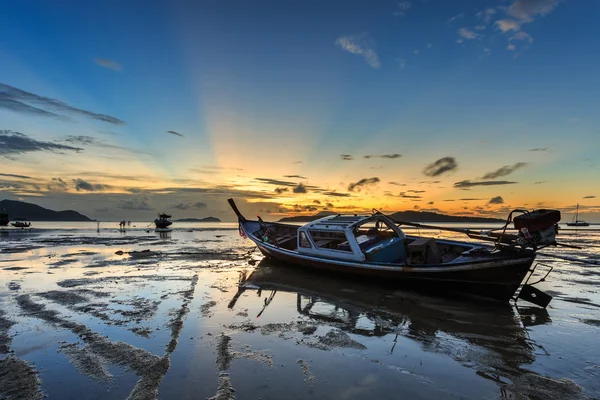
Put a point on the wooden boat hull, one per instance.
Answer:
(498, 280)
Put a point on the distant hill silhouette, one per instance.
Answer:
(408, 216)
(33, 212)
(206, 219)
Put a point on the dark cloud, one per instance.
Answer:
(185, 206)
(19, 100)
(539, 182)
(134, 190)
(14, 143)
(346, 157)
(275, 182)
(175, 133)
(16, 176)
(363, 182)
(503, 171)
(85, 186)
(415, 191)
(102, 210)
(471, 199)
(295, 176)
(280, 190)
(336, 194)
(589, 197)
(539, 149)
(316, 202)
(390, 156)
(135, 205)
(396, 184)
(329, 205)
(110, 64)
(441, 166)
(297, 162)
(81, 140)
(409, 196)
(468, 184)
(300, 188)
(430, 203)
(429, 182)
(57, 185)
(496, 200)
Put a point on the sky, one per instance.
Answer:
(476, 107)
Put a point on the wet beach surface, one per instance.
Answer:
(197, 313)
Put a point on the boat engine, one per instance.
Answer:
(537, 228)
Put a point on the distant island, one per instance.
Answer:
(207, 219)
(32, 212)
(408, 216)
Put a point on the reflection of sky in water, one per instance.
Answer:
(431, 347)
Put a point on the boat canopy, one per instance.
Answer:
(352, 238)
(164, 216)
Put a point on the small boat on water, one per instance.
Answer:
(375, 246)
(21, 224)
(576, 221)
(163, 222)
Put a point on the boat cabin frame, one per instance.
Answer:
(345, 237)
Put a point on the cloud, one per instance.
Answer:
(521, 35)
(441, 166)
(295, 176)
(329, 205)
(496, 200)
(316, 202)
(468, 34)
(16, 143)
(135, 204)
(185, 206)
(102, 210)
(403, 7)
(17, 100)
(361, 45)
(528, 9)
(346, 157)
(511, 47)
(336, 194)
(363, 182)
(15, 176)
(85, 186)
(468, 184)
(110, 64)
(506, 170)
(401, 63)
(275, 182)
(415, 191)
(396, 184)
(408, 196)
(486, 15)
(508, 25)
(539, 149)
(175, 133)
(458, 16)
(300, 188)
(589, 197)
(539, 182)
(470, 199)
(280, 190)
(389, 156)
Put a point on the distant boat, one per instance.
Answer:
(21, 224)
(163, 221)
(576, 220)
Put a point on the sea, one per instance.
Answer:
(94, 312)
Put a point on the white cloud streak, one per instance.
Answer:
(361, 45)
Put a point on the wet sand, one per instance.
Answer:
(198, 313)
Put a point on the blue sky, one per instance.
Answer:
(251, 85)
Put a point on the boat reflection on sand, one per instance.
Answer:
(492, 338)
